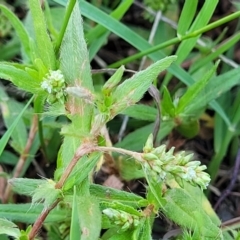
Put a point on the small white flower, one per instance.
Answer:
(46, 86)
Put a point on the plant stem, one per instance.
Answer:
(67, 16)
(135, 155)
(80, 152)
(39, 222)
(176, 40)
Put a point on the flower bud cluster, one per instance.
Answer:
(54, 84)
(121, 218)
(160, 163)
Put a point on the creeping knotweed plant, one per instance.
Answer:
(58, 70)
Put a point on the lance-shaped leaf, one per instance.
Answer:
(87, 217)
(19, 77)
(132, 90)
(195, 98)
(74, 61)
(9, 228)
(74, 64)
(10, 110)
(185, 211)
(28, 213)
(43, 41)
(8, 133)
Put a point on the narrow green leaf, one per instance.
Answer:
(46, 193)
(110, 194)
(25, 186)
(227, 44)
(19, 77)
(84, 167)
(167, 106)
(10, 110)
(200, 21)
(28, 213)
(75, 230)
(144, 230)
(43, 41)
(132, 90)
(8, 133)
(90, 217)
(117, 14)
(185, 211)
(18, 26)
(195, 92)
(113, 81)
(9, 228)
(187, 16)
(141, 112)
(9, 158)
(74, 61)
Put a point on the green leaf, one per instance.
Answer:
(46, 193)
(28, 213)
(75, 66)
(25, 186)
(167, 106)
(189, 128)
(200, 21)
(113, 81)
(8, 133)
(117, 234)
(75, 230)
(186, 17)
(110, 194)
(144, 230)
(9, 228)
(44, 45)
(83, 168)
(195, 94)
(74, 61)
(90, 217)
(185, 211)
(141, 112)
(21, 31)
(132, 90)
(9, 158)
(10, 110)
(19, 77)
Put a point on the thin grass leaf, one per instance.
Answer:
(19, 27)
(200, 21)
(8, 133)
(187, 16)
(226, 45)
(28, 213)
(117, 14)
(195, 93)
